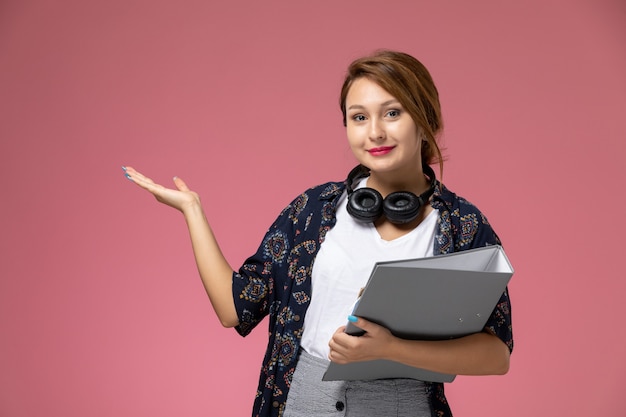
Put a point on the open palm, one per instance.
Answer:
(180, 198)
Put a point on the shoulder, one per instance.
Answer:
(457, 205)
(326, 191)
(316, 204)
(315, 198)
(469, 225)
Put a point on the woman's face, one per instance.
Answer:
(382, 135)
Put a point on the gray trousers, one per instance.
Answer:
(310, 396)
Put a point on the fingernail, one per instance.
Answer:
(128, 176)
(123, 168)
(352, 319)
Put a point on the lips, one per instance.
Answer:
(383, 150)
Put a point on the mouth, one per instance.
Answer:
(382, 150)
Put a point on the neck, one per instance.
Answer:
(389, 182)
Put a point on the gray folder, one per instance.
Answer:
(435, 298)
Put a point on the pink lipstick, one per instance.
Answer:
(380, 151)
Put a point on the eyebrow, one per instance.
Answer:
(384, 104)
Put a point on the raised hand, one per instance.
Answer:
(214, 270)
(181, 198)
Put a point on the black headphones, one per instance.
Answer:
(367, 205)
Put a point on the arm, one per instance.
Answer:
(476, 354)
(215, 272)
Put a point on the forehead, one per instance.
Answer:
(364, 91)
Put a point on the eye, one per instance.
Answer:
(393, 113)
(358, 118)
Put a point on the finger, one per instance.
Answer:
(180, 184)
(136, 176)
(337, 357)
(363, 324)
(341, 341)
(332, 343)
(335, 352)
(142, 181)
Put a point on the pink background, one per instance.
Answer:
(101, 309)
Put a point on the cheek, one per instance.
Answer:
(410, 135)
(353, 136)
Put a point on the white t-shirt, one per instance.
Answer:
(343, 266)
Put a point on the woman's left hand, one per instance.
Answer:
(374, 344)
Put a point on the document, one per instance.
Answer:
(435, 298)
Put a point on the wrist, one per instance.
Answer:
(403, 351)
(192, 209)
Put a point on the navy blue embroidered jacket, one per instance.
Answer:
(276, 281)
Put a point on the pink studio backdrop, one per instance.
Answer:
(101, 310)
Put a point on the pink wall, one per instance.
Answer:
(101, 310)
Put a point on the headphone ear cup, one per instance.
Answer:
(402, 207)
(365, 205)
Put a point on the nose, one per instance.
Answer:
(376, 129)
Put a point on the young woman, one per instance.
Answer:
(390, 207)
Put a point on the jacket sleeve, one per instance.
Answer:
(482, 234)
(255, 283)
